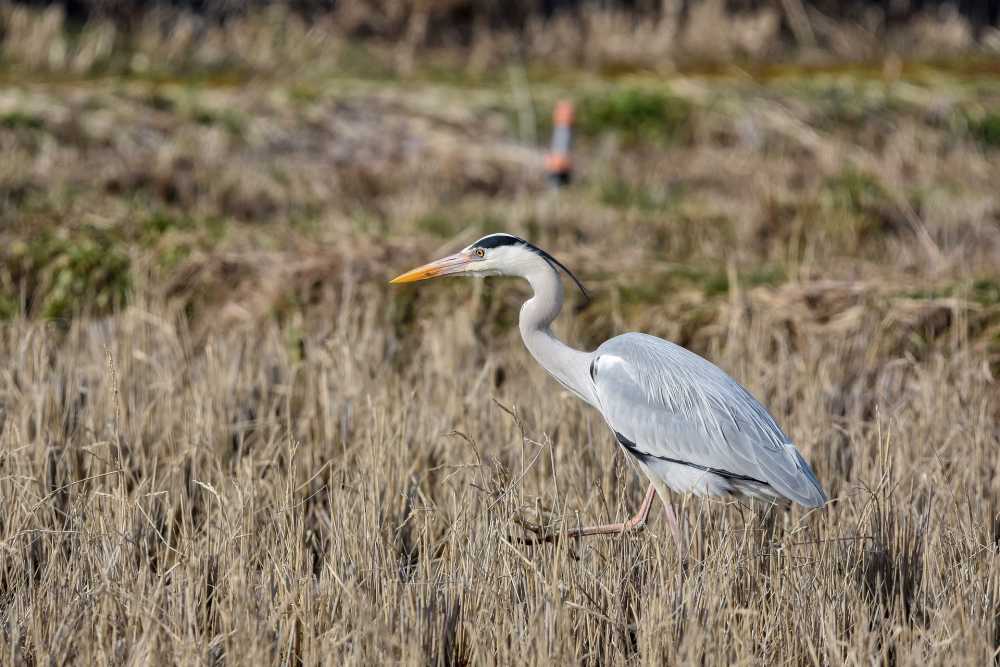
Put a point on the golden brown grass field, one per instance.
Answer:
(225, 439)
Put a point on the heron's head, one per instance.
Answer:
(493, 255)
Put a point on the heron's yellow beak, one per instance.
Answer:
(443, 267)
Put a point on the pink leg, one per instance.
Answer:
(636, 522)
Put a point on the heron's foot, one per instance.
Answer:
(543, 536)
(546, 536)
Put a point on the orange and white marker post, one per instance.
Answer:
(558, 163)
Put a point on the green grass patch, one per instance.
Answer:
(854, 191)
(161, 223)
(173, 256)
(228, 119)
(9, 307)
(436, 224)
(21, 120)
(304, 94)
(66, 272)
(173, 237)
(636, 114)
(357, 59)
(160, 102)
(856, 212)
(985, 129)
(624, 195)
(983, 291)
(986, 292)
(927, 294)
(712, 281)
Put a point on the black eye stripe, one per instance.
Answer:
(498, 240)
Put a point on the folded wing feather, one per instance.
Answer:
(678, 406)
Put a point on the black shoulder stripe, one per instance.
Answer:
(633, 449)
(593, 376)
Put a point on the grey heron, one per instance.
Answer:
(689, 426)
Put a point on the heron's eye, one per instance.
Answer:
(479, 252)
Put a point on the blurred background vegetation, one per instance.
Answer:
(232, 158)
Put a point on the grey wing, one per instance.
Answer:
(681, 414)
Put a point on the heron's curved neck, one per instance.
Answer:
(567, 365)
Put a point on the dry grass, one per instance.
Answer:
(163, 37)
(223, 438)
(334, 500)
